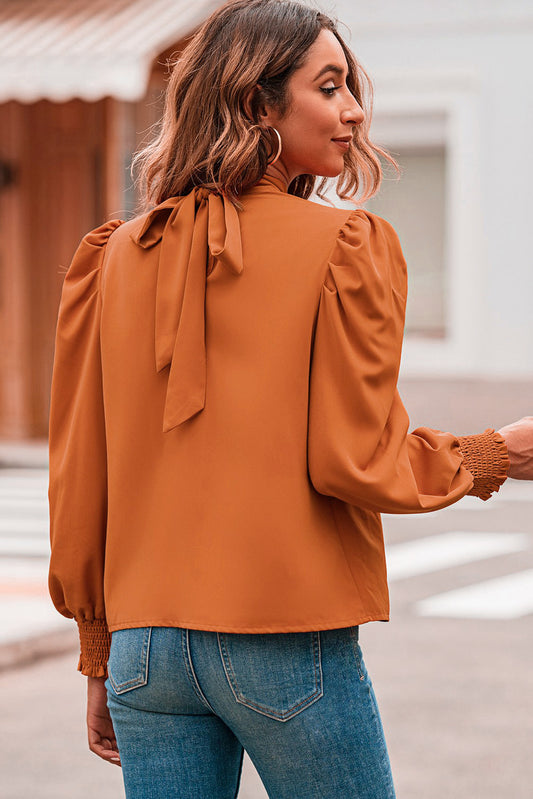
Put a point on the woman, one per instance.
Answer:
(225, 430)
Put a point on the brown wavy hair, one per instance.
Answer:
(207, 139)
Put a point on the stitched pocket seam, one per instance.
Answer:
(266, 710)
(141, 678)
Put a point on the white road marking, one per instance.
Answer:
(30, 485)
(24, 545)
(24, 521)
(442, 551)
(22, 506)
(512, 491)
(469, 503)
(509, 597)
(37, 526)
(23, 570)
(22, 492)
(24, 474)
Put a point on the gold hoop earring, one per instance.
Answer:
(279, 148)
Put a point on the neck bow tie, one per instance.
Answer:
(189, 230)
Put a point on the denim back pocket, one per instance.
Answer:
(276, 674)
(128, 659)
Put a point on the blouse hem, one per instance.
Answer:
(272, 628)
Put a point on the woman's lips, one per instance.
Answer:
(344, 143)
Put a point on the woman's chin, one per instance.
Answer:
(321, 170)
(330, 172)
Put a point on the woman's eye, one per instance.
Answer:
(329, 90)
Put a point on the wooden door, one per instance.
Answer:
(56, 151)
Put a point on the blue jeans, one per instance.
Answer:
(185, 703)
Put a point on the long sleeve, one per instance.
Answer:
(359, 448)
(77, 449)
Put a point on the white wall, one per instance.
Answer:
(460, 75)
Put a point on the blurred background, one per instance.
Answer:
(81, 86)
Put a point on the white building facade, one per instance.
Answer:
(454, 103)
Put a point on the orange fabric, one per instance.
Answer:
(225, 426)
(95, 644)
(188, 229)
(486, 458)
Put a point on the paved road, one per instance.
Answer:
(452, 670)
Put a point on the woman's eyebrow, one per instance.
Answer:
(330, 68)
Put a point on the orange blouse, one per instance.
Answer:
(225, 426)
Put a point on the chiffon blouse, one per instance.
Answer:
(225, 426)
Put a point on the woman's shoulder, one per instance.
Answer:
(366, 257)
(127, 235)
(90, 252)
(349, 224)
(97, 238)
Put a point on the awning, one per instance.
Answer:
(89, 49)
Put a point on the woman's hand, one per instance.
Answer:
(100, 731)
(519, 439)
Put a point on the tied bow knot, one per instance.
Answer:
(188, 230)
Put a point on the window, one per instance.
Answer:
(416, 208)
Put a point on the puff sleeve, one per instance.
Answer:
(77, 450)
(359, 448)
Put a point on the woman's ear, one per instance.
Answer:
(254, 108)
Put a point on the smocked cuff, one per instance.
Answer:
(95, 643)
(486, 458)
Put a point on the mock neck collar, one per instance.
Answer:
(273, 180)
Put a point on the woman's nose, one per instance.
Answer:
(353, 114)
